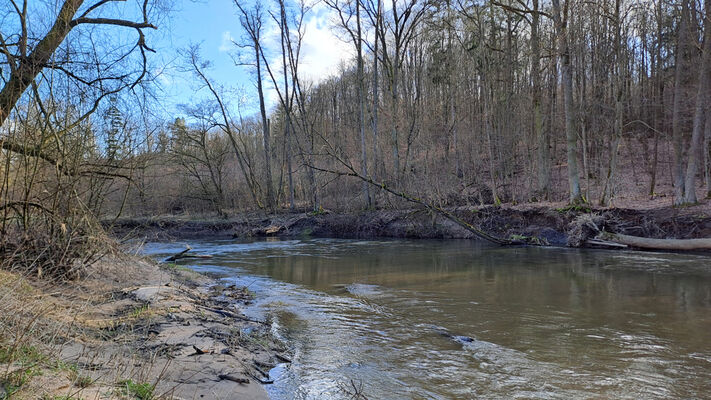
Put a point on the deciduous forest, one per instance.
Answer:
(254, 199)
(451, 102)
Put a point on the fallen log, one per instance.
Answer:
(282, 358)
(226, 377)
(229, 314)
(605, 243)
(178, 256)
(261, 380)
(183, 254)
(658, 244)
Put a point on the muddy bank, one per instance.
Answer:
(133, 329)
(528, 224)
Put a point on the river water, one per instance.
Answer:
(456, 320)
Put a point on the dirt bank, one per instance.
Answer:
(132, 329)
(534, 224)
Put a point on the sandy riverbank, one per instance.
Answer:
(131, 329)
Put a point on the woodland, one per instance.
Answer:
(448, 103)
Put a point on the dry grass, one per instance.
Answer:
(40, 320)
(127, 330)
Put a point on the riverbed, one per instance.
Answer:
(401, 319)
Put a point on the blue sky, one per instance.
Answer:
(212, 23)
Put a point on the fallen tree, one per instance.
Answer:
(429, 206)
(589, 230)
(658, 244)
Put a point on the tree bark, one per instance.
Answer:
(683, 43)
(700, 113)
(22, 77)
(361, 107)
(542, 153)
(560, 20)
(660, 244)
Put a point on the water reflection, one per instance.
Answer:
(546, 323)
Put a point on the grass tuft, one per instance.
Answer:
(140, 391)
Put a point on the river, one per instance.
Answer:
(456, 320)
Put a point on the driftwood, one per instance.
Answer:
(273, 229)
(178, 256)
(659, 244)
(605, 243)
(261, 371)
(589, 229)
(229, 314)
(184, 254)
(262, 381)
(282, 358)
(226, 377)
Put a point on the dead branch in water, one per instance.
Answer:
(471, 228)
(179, 255)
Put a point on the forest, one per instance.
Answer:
(353, 199)
(450, 102)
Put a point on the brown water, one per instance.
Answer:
(543, 322)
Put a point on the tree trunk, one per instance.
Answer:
(265, 132)
(707, 154)
(677, 134)
(542, 151)
(361, 108)
(560, 19)
(23, 76)
(608, 191)
(700, 113)
(660, 244)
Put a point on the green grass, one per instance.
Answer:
(139, 311)
(140, 391)
(320, 211)
(15, 380)
(24, 355)
(60, 365)
(83, 381)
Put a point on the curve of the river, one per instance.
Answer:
(453, 319)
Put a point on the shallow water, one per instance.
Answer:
(453, 319)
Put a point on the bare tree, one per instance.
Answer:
(54, 77)
(348, 11)
(680, 83)
(223, 119)
(702, 110)
(251, 22)
(560, 17)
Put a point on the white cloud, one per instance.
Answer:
(226, 43)
(322, 51)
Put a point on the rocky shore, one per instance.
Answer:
(133, 329)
